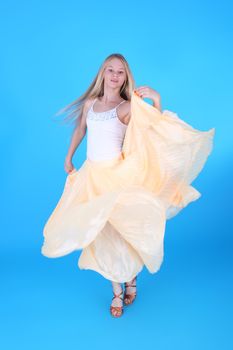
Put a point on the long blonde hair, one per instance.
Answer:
(96, 89)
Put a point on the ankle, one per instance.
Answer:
(117, 299)
(131, 283)
(117, 288)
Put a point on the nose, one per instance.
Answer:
(115, 74)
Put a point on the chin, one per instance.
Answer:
(116, 85)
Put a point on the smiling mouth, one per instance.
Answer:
(115, 81)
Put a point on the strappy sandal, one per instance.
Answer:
(130, 297)
(119, 309)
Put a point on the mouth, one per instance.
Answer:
(114, 81)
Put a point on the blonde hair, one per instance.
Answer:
(96, 89)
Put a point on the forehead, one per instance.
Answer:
(115, 63)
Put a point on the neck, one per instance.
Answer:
(110, 95)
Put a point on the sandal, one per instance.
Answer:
(130, 297)
(118, 309)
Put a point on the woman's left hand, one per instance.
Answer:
(146, 91)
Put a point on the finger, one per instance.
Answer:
(142, 91)
(145, 95)
(141, 87)
(139, 92)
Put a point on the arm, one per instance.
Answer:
(157, 101)
(77, 136)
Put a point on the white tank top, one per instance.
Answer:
(105, 134)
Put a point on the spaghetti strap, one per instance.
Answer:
(120, 103)
(91, 106)
(94, 101)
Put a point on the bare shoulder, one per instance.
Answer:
(124, 111)
(126, 104)
(124, 107)
(81, 123)
(87, 104)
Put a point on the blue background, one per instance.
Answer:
(50, 53)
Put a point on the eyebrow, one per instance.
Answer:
(112, 66)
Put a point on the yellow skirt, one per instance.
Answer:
(116, 210)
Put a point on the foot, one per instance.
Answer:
(116, 307)
(130, 291)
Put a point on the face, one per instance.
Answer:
(114, 74)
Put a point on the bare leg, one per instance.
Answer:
(130, 291)
(117, 301)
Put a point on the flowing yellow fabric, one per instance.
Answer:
(116, 210)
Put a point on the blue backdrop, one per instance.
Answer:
(50, 53)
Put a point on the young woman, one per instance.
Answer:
(139, 167)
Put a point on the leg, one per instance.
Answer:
(116, 307)
(130, 291)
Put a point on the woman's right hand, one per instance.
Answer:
(69, 167)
